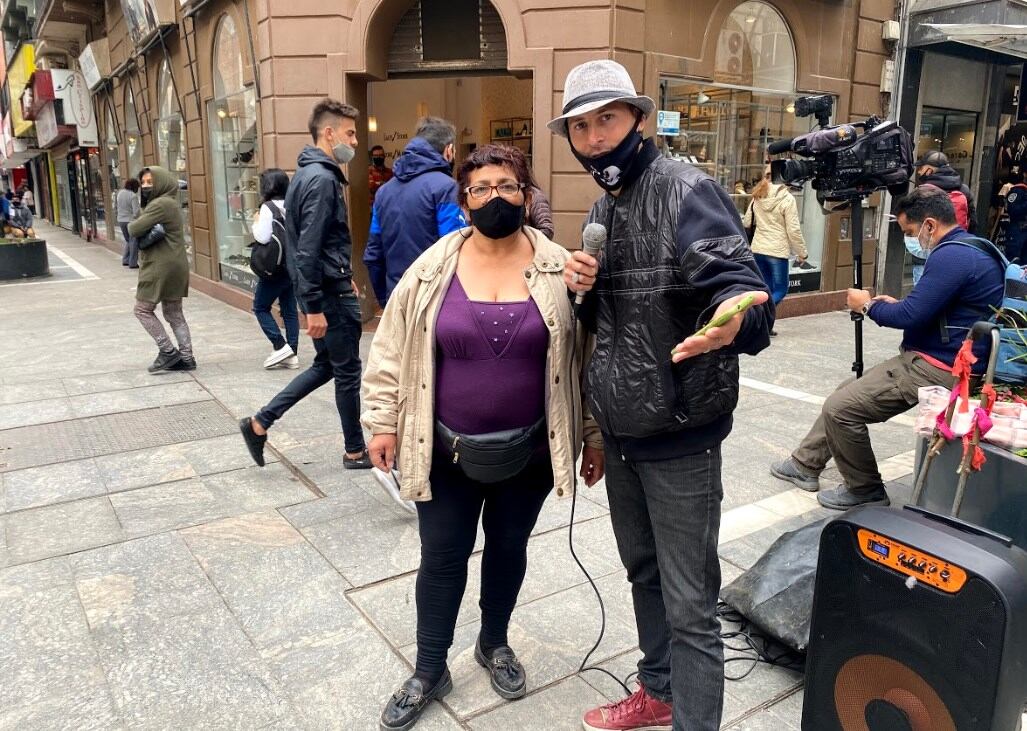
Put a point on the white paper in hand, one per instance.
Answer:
(390, 483)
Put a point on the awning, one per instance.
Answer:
(1007, 39)
(21, 157)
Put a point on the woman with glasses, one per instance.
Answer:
(472, 393)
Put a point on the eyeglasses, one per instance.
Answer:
(507, 190)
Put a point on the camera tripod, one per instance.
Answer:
(856, 235)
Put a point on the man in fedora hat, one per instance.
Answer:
(676, 257)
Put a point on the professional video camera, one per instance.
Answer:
(845, 164)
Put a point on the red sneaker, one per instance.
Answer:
(638, 712)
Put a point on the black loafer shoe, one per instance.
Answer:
(508, 679)
(165, 361)
(254, 442)
(363, 462)
(408, 703)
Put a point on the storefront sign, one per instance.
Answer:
(239, 278)
(95, 62)
(668, 123)
(18, 74)
(78, 105)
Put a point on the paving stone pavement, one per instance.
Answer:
(152, 577)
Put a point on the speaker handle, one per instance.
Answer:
(961, 525)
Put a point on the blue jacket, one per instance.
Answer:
(411, 212)
(959, 286)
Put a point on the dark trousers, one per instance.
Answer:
(130, 251)
(448, 525)
(774, 270)
(279, 288)
(666, 518)
(338, 357)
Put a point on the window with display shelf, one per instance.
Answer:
(232, 119)
(171, 146)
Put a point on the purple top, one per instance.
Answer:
(490, 363)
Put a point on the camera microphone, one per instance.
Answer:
(779, 146)
(593, 238)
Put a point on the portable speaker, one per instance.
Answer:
(919, 624)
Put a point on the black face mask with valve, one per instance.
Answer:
(498, 218)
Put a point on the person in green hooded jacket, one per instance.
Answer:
(163, 269)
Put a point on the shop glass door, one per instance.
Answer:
(954, 133)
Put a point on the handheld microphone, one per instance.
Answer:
(593, 238)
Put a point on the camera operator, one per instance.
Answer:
(676, 257)
(934, 169)
(960, 284)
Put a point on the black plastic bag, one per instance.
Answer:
(776, 594)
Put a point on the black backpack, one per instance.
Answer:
(268, 260)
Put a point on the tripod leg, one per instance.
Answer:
(856, 233)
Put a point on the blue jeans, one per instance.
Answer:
(279, 288)
(666, 518)
(775, 273)
(338, 357)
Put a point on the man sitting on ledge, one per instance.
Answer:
(961, 283)
(21, 220)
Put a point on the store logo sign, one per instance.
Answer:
(668, 123)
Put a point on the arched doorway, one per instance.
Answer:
(405, 64)
(171, 145)
(726, 126)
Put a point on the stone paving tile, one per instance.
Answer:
(148, 579)
(166, 507)
(165, 675)
(35, 412)
(59, 529)
(83, 708)
(133, 399)
(561, 705)
(38, 486)
(45, 647)
(37, 391)
(128, 470)
(118, 381)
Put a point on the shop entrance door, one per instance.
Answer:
(954, 133)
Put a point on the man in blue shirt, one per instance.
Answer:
(416, 208)
(960, 285)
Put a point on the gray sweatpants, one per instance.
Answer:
(145, 312)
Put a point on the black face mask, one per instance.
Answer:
(145, 194)
(498, 218)
(378, 162)
(609, 169)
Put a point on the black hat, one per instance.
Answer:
(934, 158)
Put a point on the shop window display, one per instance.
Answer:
(114, 179)
(171, 146)
(133, 136)
(726, 126)
(232, 119)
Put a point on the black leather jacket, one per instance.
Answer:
(675, 250)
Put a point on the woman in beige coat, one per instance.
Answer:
(777, 236)
(472, 390)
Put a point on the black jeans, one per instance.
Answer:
(338, 357)
(448, 525)
(279, 288)
(666, 518)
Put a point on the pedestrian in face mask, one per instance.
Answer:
(21, 219)
(484, 316)
(676, 257)
(379, 173)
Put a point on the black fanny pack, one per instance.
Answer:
(492, 457)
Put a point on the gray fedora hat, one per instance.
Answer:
(594, 84)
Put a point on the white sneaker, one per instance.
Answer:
(278, 356)
(292, 363)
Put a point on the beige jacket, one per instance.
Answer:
(778, 232)
(399, 382)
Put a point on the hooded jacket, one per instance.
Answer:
(778, 232)
(675, 250)
(411, 212)
(318, 248)
(163, 267)
(948, 180)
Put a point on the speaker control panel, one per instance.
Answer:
(911, 561)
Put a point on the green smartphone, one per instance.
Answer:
(724, 317)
